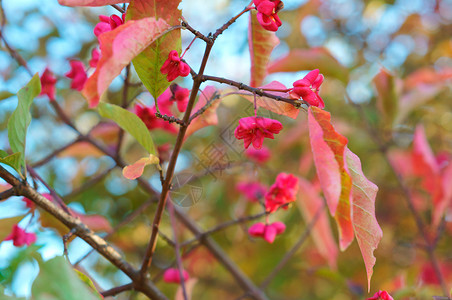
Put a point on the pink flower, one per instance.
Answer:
(77, 74)
(180, 96)
(174, 67)
(255, 129)
(28, 203)
(48, 81)
(20, 237)
(381, 295)
(267, 232)
(108, 23)
(308, 88)
(147, 115)
(267, 13)
(172, 275)
(258, 155)
(253, 191)
(281, 192)
(95, 56)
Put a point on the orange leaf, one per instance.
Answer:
(136, 169)
(328, 148)
(367, 231)
(279, 107)
(209, 117)
(261, 43)
(118, 48)
(315, 58)
(309, 203)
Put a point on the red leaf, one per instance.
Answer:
(309, 203)
(387, 95)
(118, 48)
(279, 107)
(328, 148)
(136, 169)
(94, 222)
(426, 167)
(209, 117)
(315, 58)
(261, 43)
(367, 231)
(90, 2)
(81, 150)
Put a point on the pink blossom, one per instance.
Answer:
(95, 56)
(253, 191)
(281, 192)
(108, 23)
(48, 81)
(258, 155)
(381, 295)
(174, 67)
(172, 275)
(267, 231)
(77, 74)
(255, 129)
(180, 96)
(20, 237)
(147, 115)
(267, 13)
(308, 88)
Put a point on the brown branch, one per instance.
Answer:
(86, 234)
(195, 32)
(229, 23)
(257, 91)
(118, 8)
(8, 193)
(214, 97)
(172, 164)
(170, 119)
(117, 290)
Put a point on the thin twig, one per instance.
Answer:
(117, 290)
(52, 155)
(118, 8)
(8, 193)
(195, 32)
(229, 23)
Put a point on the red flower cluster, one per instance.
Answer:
(20, 237)
(48, 81)
(253, 191)
(267, 13)
(172, 275)
(255, 129)
(308, 89)
(267, 231)
(28, 203)
(281, 192)
(174, 67)
(77, 74)
(381, 295)
(108, 23)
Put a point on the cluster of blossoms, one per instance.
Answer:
(108, 23)
(253, 130)
(267, 13)
(267, 231)
(174, 66)
(20, 237)
(381, 295)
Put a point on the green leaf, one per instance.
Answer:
(5, 95)
(57, 280)
(148, 63)
(13, 160)
(21, 117)
(130, 123)
(84, 278)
